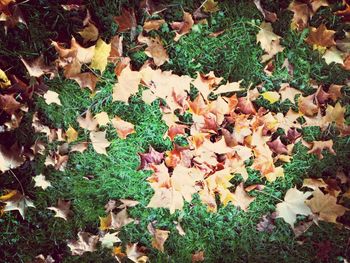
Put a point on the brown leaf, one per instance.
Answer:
(120, 219)
(321, 38)
(319, 146)
(198, 256)
(116, 49)
(154, 49)
(241, 198)
(85, 80)
(325, 205)
(307, 105)
(37, 67)
(124, 128)
(277, 146)
(184, 27)
(126, 20)
(159, 238)
(88, 123)
(153, 24)
(62, 209)
(9, 104)
(86, 243)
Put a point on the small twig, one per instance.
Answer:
(17, 180)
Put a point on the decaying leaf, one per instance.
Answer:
(62, 209)
(124, 128)
(86, 242)
(184, 27)
(14, 200)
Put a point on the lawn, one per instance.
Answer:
(93, 179)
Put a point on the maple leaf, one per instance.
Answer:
(159, 237)
(277, 146)
(153, 24)
(269, 41)
(319, 146)
(128, 84)
(184, 27)
(37, 67)
(288, 92)
(241, 198)
(100, 59)
(102, 118)
(99, 141)
(86, 242)
(85, 80)
(116, 49)
(109, 239)
(154, 49)
(124, 128)
(210, 6)
(52, 97)
(335, 114)
(72, 134)
(228, 87)
(268, 16)
(120, 219)
(10, 158)
(321, 38)
(62, 209)
(307, 106)
(134, 254)
(40, 181)
(151, 157)
(80, 147)
(294, 203)
(88, 122)
(14, 200)
(41, 259)
(126, 20)
(333, 55)
(9, 104)
(325, 205)
(90, 31)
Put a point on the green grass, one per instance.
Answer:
(229, 235)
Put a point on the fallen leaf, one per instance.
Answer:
(241, 198)
(294, 203)
(210, 6)
(319, 146)
(154, 49)
(184, 27)
(100, 58)
(198, 256)
(62, 209)
(153, 24)
(321, 38)
(134, 254)
(124, 128)
(99, 141)
(37, 67)
(128, 84)
(271, 96)
(269, 41)
(9, 104)
(72, 134)
(52, 97)
(14, 200)
(126, 20)
(4, 81)
(40, 181)
(88, 123)
(159, 238)
(325, 205)
(86, 242)
(102, 118)
(109, 239)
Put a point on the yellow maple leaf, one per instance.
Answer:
(271, 96)
(71, 134)
(4, 81)
(100, 58)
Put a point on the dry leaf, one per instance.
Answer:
(184, 27)
(52, 97)
(124, 128)
(99, 141)
(14, 200)
(100, 58)
(321, 38)
(153, 24)
(40, 181)
(88, 122)
(294, 203)
(86, 243)
(62, 209)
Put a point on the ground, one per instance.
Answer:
(230, 235)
